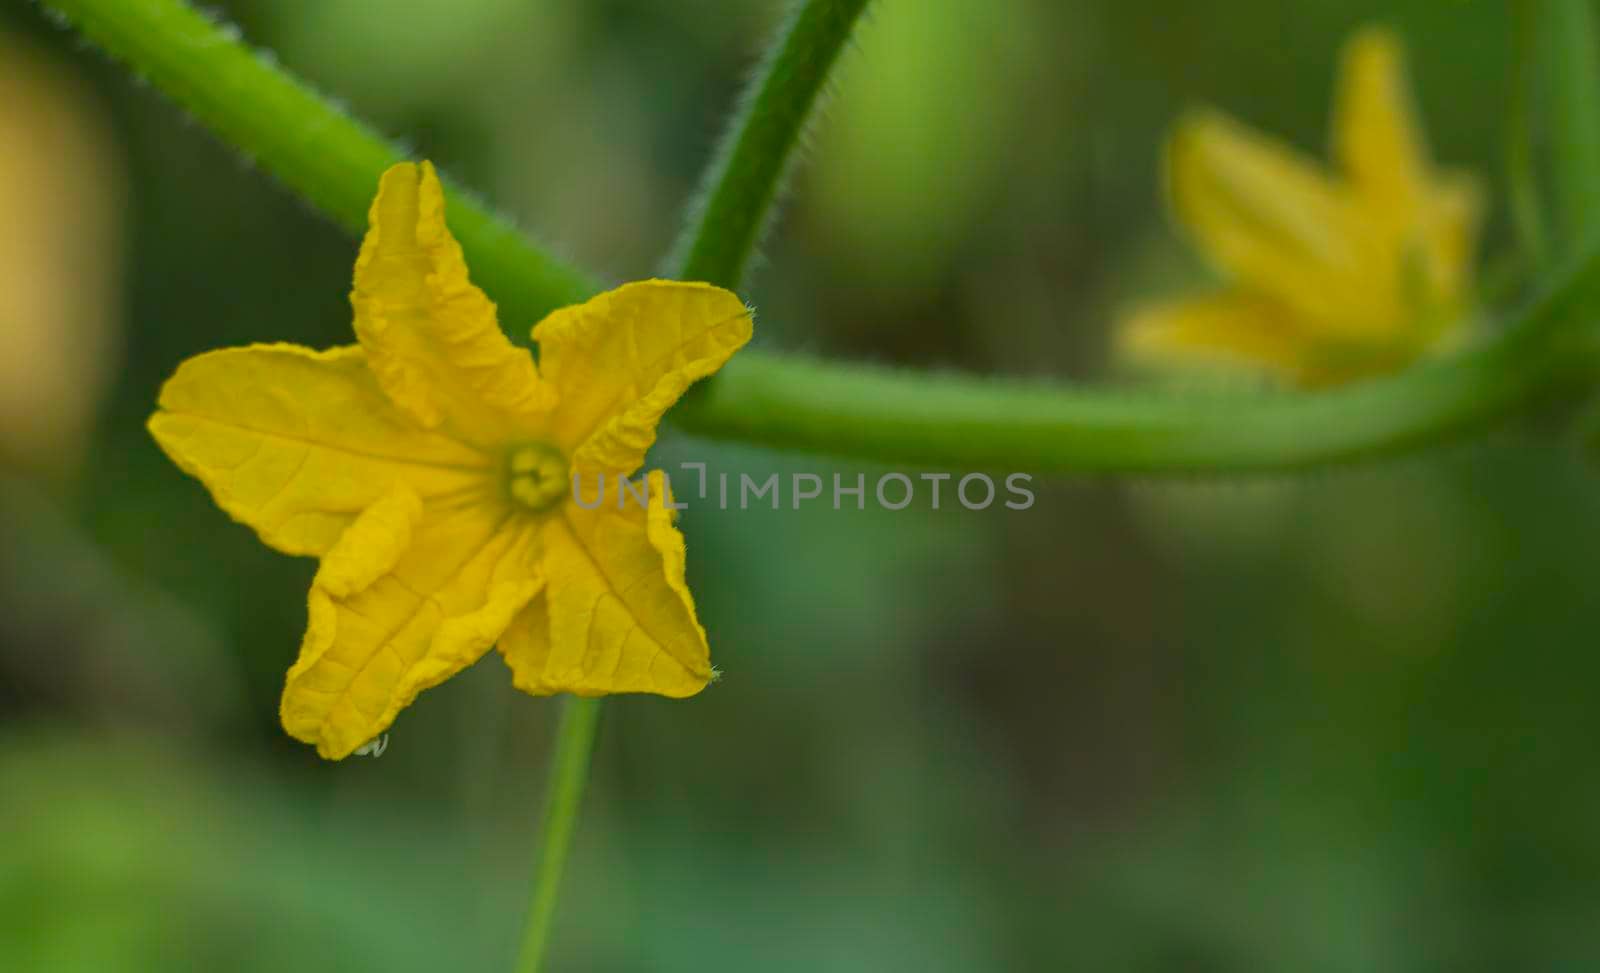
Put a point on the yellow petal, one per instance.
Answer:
(431, 336)
(1375, 133)
(621, 359)
(1227, 327)
(1450, 239)
(615, 615)
(295, 442)
(1273, 222)
(410, 595)
(1240, 329)
(1420, 220)
(372, 544)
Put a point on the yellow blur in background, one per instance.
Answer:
(61, 303)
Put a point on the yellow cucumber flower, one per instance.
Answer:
(430, 467)
(1329, 277)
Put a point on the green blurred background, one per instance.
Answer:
(1333, 722)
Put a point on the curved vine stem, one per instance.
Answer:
(1546, 352)
(881, 414)
(315, 148)
(741, 186)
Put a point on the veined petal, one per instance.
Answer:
(615, 615)
(296, 442)
(410, 595)
(431, 336)
(1376, 137)
(1273, 222)
(1227, 327)
(621, 359)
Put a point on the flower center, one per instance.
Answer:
(536, 476)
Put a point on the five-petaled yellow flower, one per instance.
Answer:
(1329, 277)
(430, 468)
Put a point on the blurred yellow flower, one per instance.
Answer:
(429, 468)
(62, 194)
(1330, 277)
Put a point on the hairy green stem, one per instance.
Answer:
(741, 185)
(316, 149)
(568, 775)
(883, 414)
(1572, 65)
(971, 423)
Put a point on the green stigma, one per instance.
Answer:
(536, 476)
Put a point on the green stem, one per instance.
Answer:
(1527, 214)
(1572, 63)
(971, 423)
(317, 150)
(569, 773)
(899, 416)
(743, 181)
